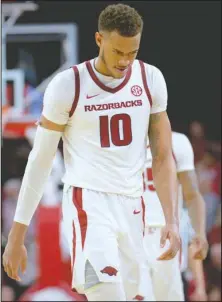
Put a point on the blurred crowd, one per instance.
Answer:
(208, 168)
(207, 156)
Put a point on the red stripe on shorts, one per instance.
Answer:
(77, 201)
(74, 243)
(143, 214)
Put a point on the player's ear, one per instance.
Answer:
(98, 38)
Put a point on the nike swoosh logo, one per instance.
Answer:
(136, 212)
(91, 96)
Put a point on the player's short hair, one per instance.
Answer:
(121, 18)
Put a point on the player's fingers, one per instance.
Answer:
(196, 251)
(200, 251)
(175, 242)
(15, 275)
(163, 237)
(4, 263)
(174, 245)
(12, 271)
(8, 270)
(170, 253)
(199, 255)
(167, 255)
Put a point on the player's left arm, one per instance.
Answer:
(163, 166)
(192, 196)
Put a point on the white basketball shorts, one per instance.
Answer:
(106, 230)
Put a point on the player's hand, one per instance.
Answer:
(14, 258)
(199, 246)
(170, 232)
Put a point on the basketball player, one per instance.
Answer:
(103, 109)
(166, 275)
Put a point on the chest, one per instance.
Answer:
(129, 100)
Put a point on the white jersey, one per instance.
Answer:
(184, 157)
(107, 123)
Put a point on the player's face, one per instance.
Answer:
(117, 52)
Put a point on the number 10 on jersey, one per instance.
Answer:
(110, 130)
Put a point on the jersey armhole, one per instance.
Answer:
(145, 84)
(77, 90)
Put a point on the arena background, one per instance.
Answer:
(182, 38)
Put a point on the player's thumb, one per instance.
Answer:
(163, 237)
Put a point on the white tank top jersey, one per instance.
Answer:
(184, 158)
(107, 124)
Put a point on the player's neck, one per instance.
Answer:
(100, 66)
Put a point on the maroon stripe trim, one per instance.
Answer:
(104, 87)
(77, 90)
(145, 84)
(82, 217)
(73, 244)
(143, 214)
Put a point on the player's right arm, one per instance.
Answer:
(58, 99)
